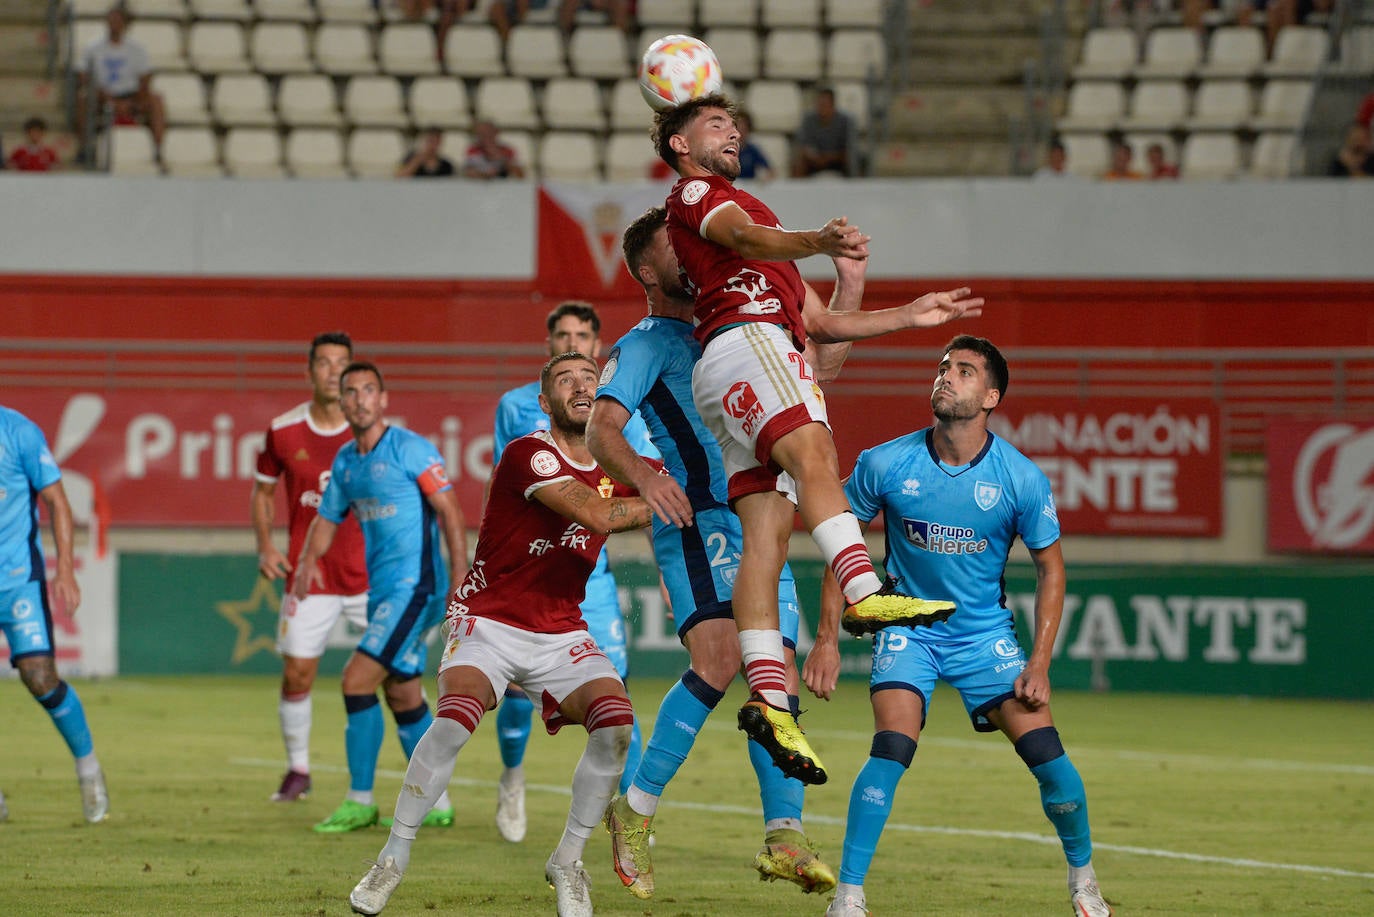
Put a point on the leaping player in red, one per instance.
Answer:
(515, 619)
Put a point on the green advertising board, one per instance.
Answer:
(1217, 629)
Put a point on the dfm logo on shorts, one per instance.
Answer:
(1331, 485)
(585, 650)
(742, 404)
(938, 538)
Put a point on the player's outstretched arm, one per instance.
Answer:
(608, 445)
(926, 312)
(821, 672)
(1033, 684)
(263, 509)
(60, 515)
(318, 538)
(732, 228)
(574, 500)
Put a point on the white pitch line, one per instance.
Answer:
(753, 812)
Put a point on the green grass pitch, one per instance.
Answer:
(1199, 805)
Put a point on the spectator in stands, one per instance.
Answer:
(753, 163)
(119, 69)
(425, 161)
(617, 13)
(34, 155)
(1160, 166)
(826, 140)
(488, 157)
(1120, 169)
(1365, 115)
(1273, 15)
(1354, 159)
(1056, 162)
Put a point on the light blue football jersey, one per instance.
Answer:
(26, 467)
(518, 414)
(382, 490)
(950, 529)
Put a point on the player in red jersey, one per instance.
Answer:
(301, 445)
(759, 397)
(515, 620)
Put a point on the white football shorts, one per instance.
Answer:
(304, 624)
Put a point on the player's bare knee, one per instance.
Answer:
(39, 675)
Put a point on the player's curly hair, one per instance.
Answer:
(675, 120)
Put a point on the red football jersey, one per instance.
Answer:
(301, 453)
(33, 159)
(531, 565)
(728, 288)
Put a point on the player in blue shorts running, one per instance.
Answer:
(393, 482)
(572, 327)
(28, 471)
(954, 497)
(650, 369)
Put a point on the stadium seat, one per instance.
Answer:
(146, 9)
(863, 14)
(473, 51)
(132, 152)
(242, 100)
(599, 52)
(375, 152)
(570, 103)
(280, 47)
(253, 152)
(1299, 51)
(217, 47)
(728, 13)
(668, 16)
(1220, 105)
(1108, 54)
(795, 14)
(374, 101)
(191, 152)
(1171, 53)
(454, 146)
(1087, 154)
(778, 149)
(851, 96)
(162, 39)
(439, 101)
(628, 110)
(343, 49)
(343, 11)
(183, 97)
(308, 100)
(793, 54)
(1209, 157)
(234, 10)
(1282, 106)
(568, 156)
(313, 152)
(1273, 155)
(535, 52)
(1093, 105)
(285, 11)
(629, 157)
(526, 151)
(852, 54)
(736, 49)
(1156, 105)
(1233, 52)
(1357, 50)
(774, 105)
(407, 49)
(508, 102)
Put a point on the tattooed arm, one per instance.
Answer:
(583, 505)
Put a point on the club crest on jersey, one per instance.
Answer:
(302, 455)
(694, 191)
(544, 463)
(605, 487)
(608, 371)
(986, 494)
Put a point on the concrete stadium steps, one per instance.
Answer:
(941, 159)
(970, 111)
(24, 87)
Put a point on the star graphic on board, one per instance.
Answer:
(263, 599)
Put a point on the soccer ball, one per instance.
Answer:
(677, 69)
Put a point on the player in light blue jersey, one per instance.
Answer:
(29, 474)
(393, 481)
(954, 498)
(650, 369)
(572, 326)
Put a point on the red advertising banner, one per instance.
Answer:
(1321, 485)
(186, 458)
(1123, 466)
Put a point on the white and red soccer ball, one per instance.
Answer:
(677, 69)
